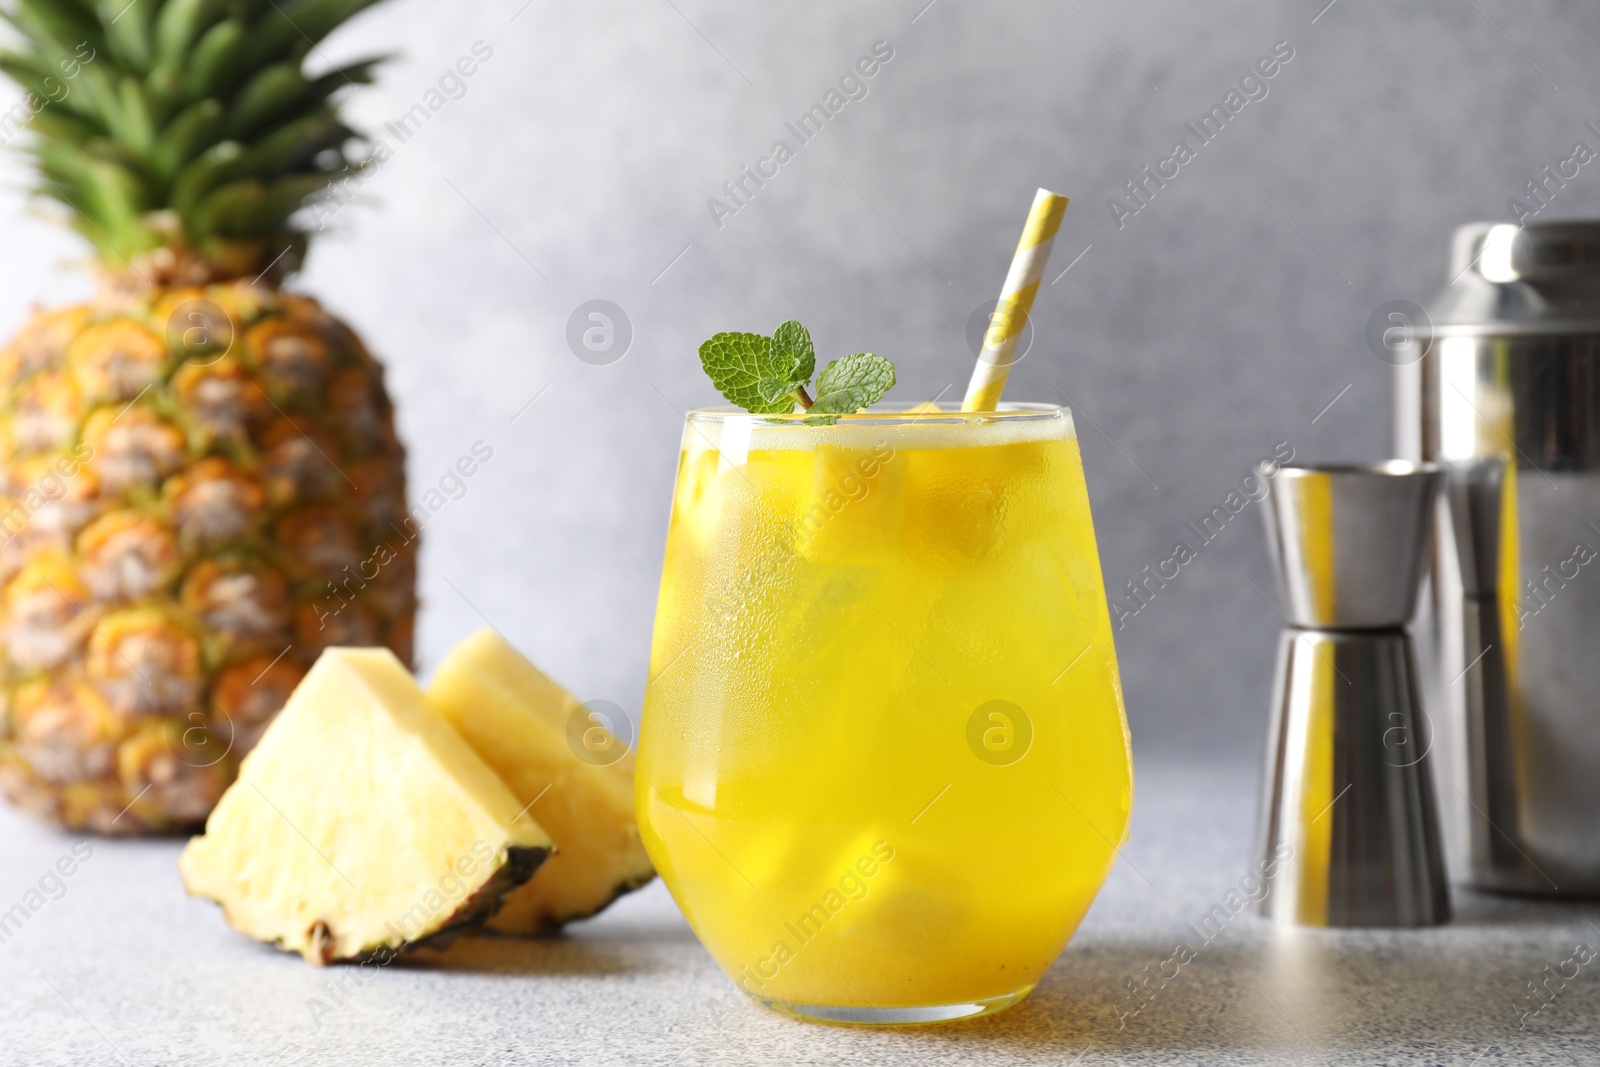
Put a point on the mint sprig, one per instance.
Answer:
(770, 375)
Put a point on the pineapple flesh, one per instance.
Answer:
(362, 823)
(200, 482)
(521, 723)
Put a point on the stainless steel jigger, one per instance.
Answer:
(1349, 822)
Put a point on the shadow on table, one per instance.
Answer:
(616, 949)
(1290, 994)
(1495, 909)
(1083, 1005)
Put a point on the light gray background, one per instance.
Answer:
(1222, 320)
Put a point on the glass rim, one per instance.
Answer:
(897, 413)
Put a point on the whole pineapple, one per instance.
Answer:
(200, 482)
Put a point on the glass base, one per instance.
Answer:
(922, 1015)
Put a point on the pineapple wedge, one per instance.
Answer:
(362, 823)
(521, 723)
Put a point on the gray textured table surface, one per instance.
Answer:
(123, 968)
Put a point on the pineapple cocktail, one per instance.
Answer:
(884, 764)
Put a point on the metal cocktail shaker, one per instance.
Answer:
(1349, 802)
(1505, 394)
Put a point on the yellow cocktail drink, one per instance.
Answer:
(883, 764)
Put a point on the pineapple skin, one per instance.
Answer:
(201, 488)
(518, 720)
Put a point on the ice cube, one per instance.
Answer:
(855, 510)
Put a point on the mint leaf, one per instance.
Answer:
(793, 363)
(737, 363)
(793, 358)
(847, 385)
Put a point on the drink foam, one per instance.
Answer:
(736, 435)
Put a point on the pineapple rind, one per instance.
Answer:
(78, 550)
(516, 719)
(362, 822)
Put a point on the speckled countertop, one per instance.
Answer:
(123, 968)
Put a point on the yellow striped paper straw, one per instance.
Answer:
(1016, 302)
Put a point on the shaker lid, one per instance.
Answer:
(1539, 277)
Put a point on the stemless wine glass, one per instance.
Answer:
(883, 763)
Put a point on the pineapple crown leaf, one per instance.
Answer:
(188, 123)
